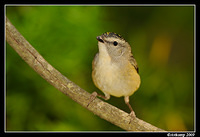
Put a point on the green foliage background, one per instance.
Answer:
(162, 40)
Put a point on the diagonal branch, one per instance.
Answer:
(63, 84)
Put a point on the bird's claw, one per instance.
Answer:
(92, 97)
(132, 115)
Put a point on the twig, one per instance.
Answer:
(63, 84)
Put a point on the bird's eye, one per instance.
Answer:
(115, 43)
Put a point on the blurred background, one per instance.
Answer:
(162, 40)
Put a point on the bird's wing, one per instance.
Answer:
(134, 63)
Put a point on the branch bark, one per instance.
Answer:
(63, 84)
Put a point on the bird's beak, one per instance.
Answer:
(99, 38)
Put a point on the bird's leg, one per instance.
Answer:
(95, 94)
(132, 114)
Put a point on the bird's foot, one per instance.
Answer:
(132, 115)
(92, 97)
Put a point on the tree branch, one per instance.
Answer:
(63, 84)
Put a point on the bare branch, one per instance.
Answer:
(63, 84)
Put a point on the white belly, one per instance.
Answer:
(111, 79)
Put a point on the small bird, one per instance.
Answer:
(114, 69)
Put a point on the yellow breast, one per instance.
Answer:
(115, 80)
